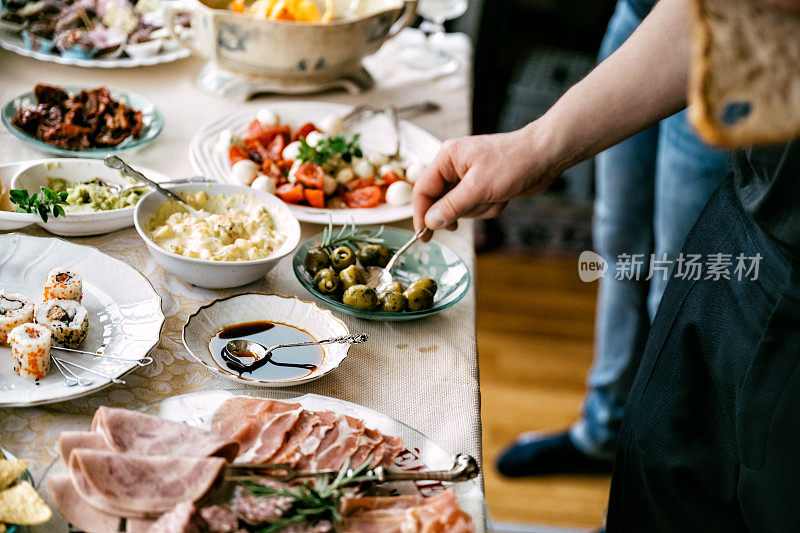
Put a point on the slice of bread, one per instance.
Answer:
(744, 85)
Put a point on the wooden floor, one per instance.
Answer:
(535, 325)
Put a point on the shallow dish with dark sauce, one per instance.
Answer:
(281, 365)
(269, 319)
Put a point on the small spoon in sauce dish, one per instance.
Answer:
(116, 163)
(379, 278)
(261, 355)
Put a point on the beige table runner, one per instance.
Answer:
(423, 373)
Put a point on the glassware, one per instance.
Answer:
(430, 55)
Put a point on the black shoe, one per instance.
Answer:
(549, 454)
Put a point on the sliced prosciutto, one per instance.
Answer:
(85, 517)
(302, 429)
(133, 485)
(278, 432)
(312, 443)
(132, 432)
(86, 440)
(406, 514)
(259, 426)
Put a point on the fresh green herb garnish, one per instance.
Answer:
(44, 203)
(329, 147)
(312, 504)
(349, 236)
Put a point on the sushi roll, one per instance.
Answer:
(30, 350)
(63, 284)
(67, 320)
(15, 309)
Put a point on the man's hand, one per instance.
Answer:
(476, 176)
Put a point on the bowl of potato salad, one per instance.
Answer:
(238, 235)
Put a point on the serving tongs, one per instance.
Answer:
(364, 111)
(465, 467)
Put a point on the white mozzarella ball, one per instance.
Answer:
(330, 185)
(267, 117)
(345, 175)
(378, 159)
(414, 171)
(395, 167)
(362, 168)
(243, 172)
(313, 138)
(292, 151)
(224, 141)
(292, 171)
(263, 183)
(332, 124)
(398, 193)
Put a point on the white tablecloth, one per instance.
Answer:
(424, 373)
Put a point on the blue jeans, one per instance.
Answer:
(651, 189)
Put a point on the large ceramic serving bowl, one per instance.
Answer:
(284, 49)
(217, 274)
(35, 175)
(256, 307)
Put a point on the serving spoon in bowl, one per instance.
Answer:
(118, 188)
(116, 163)
(235, 350)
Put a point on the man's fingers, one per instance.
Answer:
(432, 183)
(452, 206)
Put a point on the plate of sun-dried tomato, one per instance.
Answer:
(82, 122)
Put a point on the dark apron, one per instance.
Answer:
(710, 440)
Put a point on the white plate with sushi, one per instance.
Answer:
(56, 294)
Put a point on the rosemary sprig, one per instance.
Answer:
(349, 236)
(312, 503)
(45, 203)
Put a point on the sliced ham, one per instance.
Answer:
(442, 514)
(300, 432)
(133, 485)
(86, 440)
(132, 432)
(307, 448)
(272, 433)
(85, 517)
(368, 446)
(278, 432)
(406, 514)
(357, 505)
(343, 446)
(183, 518)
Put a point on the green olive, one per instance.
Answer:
(316, 260)
(394, 286)
(342, 257)
(393, 302)
(361, 297)
(327, 281)
(352, 275)
(374, 255)
(425, 283)
(419, 298)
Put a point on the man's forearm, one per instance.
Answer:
(641, 83)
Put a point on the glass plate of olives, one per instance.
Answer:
(428, 278)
